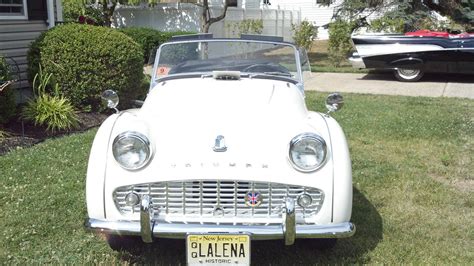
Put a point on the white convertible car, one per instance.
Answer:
(223, 151)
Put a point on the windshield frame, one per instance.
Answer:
(155, 79)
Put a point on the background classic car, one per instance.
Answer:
(223, 145)
(415, 53)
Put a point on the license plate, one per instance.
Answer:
(218, 249)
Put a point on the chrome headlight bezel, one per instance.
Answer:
(139, 137)
(299, 138)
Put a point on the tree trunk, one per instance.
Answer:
(206, 18)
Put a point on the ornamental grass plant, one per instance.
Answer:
(51, 110)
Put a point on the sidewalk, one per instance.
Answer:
(434, 85)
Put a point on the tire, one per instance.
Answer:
(132, 244)
(320, 243)
(408, 75)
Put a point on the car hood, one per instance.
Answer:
(257, 119)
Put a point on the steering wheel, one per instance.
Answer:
(265, 68)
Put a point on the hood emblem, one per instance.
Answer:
(253, 199)
(219, 145)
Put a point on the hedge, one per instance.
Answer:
(86, 60)
(149, 39)
(7, 96)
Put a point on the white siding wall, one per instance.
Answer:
(319, 15)
(186, 17)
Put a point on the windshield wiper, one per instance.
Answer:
(278, 74)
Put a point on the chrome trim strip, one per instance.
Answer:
(146, 226)
(180, 231)
(289, 222)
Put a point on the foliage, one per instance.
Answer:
(7, 95)
(410, 166)
(86, 60)
(339, 41)
(415, 13)
(386, 24)
(53, 111)
(149, 39)
(304, 34)
(246, 26)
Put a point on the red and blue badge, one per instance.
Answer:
(253, 199)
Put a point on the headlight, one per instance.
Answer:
(131, 150)
(307, 152)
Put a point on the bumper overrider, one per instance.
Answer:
(148, 228)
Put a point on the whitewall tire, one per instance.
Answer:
(408, 75)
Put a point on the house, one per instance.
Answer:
(21, 22)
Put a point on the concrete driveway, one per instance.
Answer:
(431, 85)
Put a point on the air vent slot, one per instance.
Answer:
(226, 75)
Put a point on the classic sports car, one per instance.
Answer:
(415, 53)
(222, 151)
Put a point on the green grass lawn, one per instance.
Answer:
(413, 193)
(319, 60)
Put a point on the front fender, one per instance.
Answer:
(95, 181)
(342, 180)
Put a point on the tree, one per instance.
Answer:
(206, 17)
(106, 7)
(415, 13)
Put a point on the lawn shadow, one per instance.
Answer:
(369, 233)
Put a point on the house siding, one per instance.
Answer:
(15, 39)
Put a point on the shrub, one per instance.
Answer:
(387, 24)
(7, 95)
(246, 26)
(149, 39)
(304, 34)
(53, 111)
(86, 60)
(339, 41)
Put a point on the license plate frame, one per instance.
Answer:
(209, 238)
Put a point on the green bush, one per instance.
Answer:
(7, 95)
(149, 39)
(53, 111)
(86, 60)
(246, 26)
(339, 41)
(387, 24)
(304, 34)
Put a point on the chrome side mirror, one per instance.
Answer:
(334, 102)
(111, 98)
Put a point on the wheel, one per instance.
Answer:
(320, 243)
(131, 244)
(408, 75)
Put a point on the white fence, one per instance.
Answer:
(186, 17)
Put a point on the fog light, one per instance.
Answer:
(132, 199)
(304, 200)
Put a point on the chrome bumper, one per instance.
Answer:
(257, 232)
(147, 228)
(357, 61)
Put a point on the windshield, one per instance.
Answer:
(247, 57)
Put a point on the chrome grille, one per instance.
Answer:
(196, 201)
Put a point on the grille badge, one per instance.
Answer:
(253, 199)
(219, 145)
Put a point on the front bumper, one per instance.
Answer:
(180, 231)
(357, 61)
(288, 230)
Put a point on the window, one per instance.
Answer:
(232, 3)
(12, 9)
